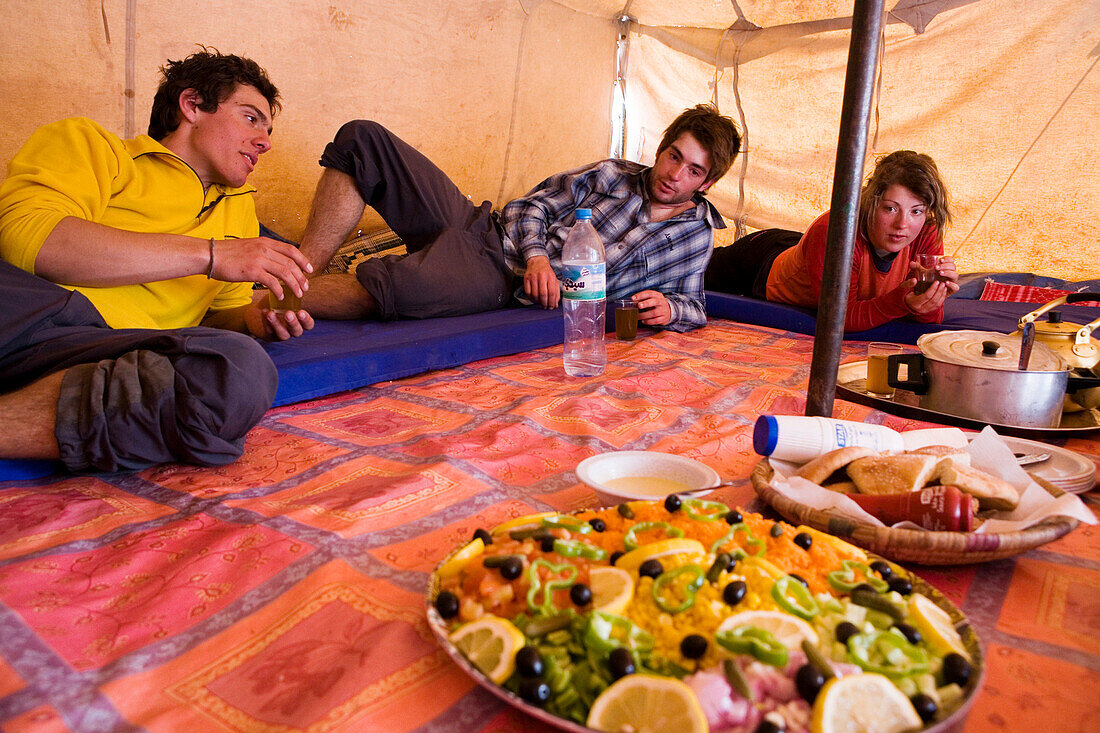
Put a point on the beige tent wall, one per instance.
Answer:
(501, 93)
(498, 93)
(1004, 95)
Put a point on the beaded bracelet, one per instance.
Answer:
(210, 268)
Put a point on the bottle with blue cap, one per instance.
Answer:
(800, 438)
(583, 292)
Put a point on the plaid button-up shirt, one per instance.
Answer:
(668, 256)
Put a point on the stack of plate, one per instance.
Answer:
(1071, 472)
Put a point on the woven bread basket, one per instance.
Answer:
(913, 545)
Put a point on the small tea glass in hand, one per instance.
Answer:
(626, 319)
(927, 272)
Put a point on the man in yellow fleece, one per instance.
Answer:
(128, 315)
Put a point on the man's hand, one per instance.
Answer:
(275, 325)
(540, 283)
(266, 261)
(653, 308)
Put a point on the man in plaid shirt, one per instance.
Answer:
(655, 223)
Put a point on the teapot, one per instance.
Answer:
(1072, 342)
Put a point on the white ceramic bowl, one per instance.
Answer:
(639, 474)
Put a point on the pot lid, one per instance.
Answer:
(988, 350)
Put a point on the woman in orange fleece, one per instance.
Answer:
(903, 209)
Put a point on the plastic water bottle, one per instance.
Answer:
(583, 290)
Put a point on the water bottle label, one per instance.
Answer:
(584, 282)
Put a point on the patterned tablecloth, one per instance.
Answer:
(286, 591)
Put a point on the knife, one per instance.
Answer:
(1027, 339)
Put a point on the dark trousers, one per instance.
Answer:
(742, 268)
(131, 398)
(455, 264)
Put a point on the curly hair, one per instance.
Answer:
(214, 76)
(716, 133)
(916, 172)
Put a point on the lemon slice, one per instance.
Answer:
(863, 703)
(527, 520)
(936, 626)
(457, 561)
(646, 704)
(660, 549)
(612, 589)
(789, 630)
(490, 643)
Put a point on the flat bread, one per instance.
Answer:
(825, 465)
(958, 455)
(892, 474)
(842, 487)
(990, 491)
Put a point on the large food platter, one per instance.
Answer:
(916, 545)
(443, 629)
(851, 385)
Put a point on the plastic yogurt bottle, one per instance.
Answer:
(798, 438)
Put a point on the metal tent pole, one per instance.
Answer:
(844, 209)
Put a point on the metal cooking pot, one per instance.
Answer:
(976, 374)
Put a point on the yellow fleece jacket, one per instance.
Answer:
(77, 168)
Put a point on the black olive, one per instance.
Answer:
(598, 524)
(534, 691)
(620, 662)
(673, 503)
(529, 662)
(883, 569)
(650, 568)
(768, 726)
(580, 594)
(845, 630)
(546, 544)
(900, 585)
(799, 578)
(925, 706)
(776, 530)
(693, 646)
(956, 669)
(484, 536)
(447, 604)
(803, 540)
(734, 517)
(511, 568)
(734, 592)
(809, 680)
(615, 556)
(911, 634)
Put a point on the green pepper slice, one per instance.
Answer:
(631, 541)
(690, 589)
(758, 642)
(606, 632)
(845, 579)
(887, 653)
(569, 576)
(793, 597)
(562, 521)
(703, 510)
(750, 539)
(578, 548)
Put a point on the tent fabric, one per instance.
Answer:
(502, 93)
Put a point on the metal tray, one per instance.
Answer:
(851, 381)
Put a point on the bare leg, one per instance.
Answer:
(27, 418)
(338, 297)
(337, 207)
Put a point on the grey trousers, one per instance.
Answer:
(455, 263)
(131, 398)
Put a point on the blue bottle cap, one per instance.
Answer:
(583, 214)
(765, 435)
